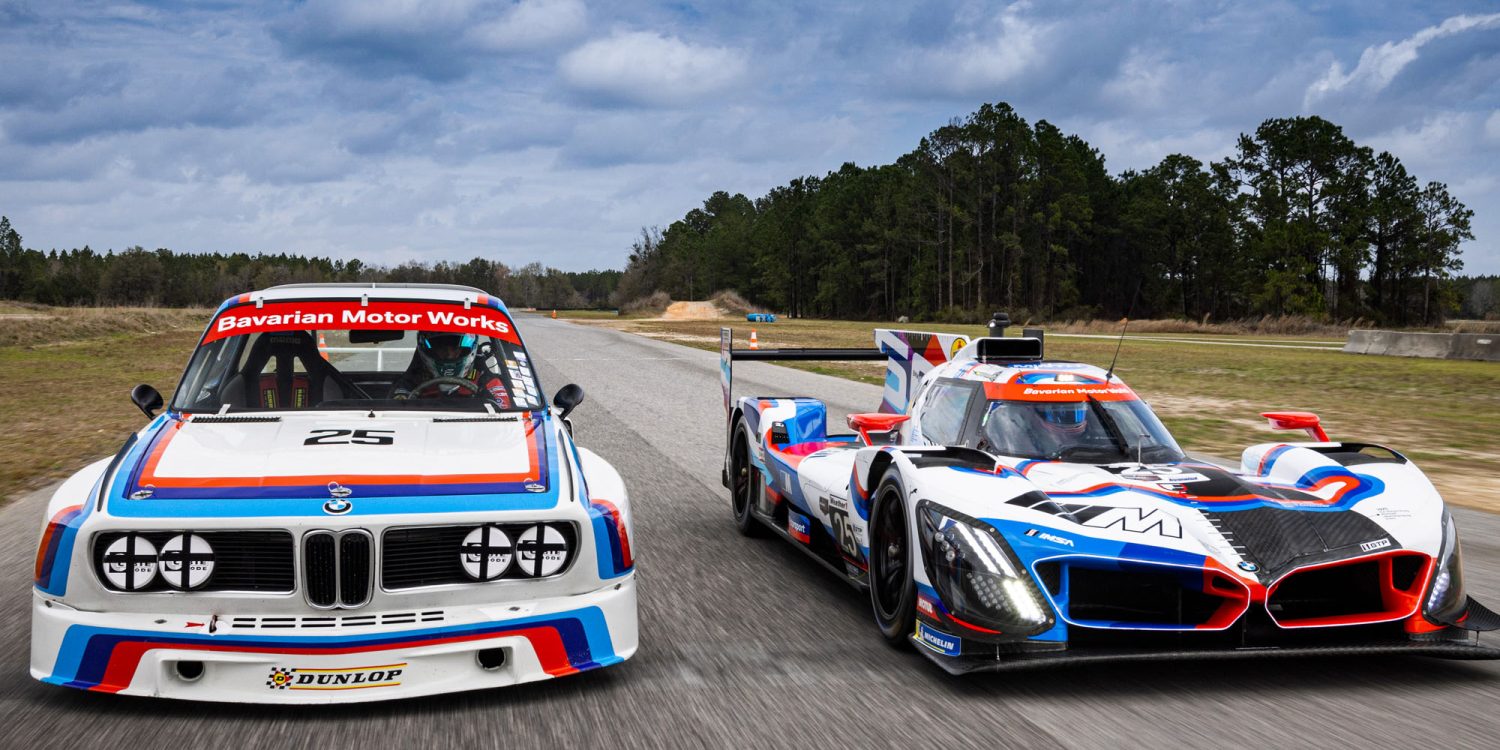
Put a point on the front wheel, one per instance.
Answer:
(893, 595)
(744, 482)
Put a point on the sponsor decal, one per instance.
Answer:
(926, 607)
(348, 678)
(1375, 545)
(957, 344)
(1048, 537)
(798, 526)
(937, 640)
(352, 314)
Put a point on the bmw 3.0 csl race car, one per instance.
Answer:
(357, 492)
(1006, 510)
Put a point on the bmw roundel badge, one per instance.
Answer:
(338, 503)
(1249, 567)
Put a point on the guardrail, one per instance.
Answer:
(1476, 346)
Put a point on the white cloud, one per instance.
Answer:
(643, 67)
(532, 25)
(980, 63)
(1379, 65)
(1143, 81)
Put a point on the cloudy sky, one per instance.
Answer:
(553, 130)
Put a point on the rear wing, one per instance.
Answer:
(909, 355)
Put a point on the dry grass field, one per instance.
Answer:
(65, 380)
(1443, 414)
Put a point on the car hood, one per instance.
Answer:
(1276, 525)
(337, 454)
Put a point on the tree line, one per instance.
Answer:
(990, 212)
(137, 276)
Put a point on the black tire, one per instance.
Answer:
(893, 595)
(742, 485)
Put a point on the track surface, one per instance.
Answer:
(746, 643)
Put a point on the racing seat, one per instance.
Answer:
(283, 387)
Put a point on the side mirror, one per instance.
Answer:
(568, 398)
(146, 398)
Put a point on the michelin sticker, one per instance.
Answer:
(937, 640)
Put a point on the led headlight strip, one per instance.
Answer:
(977, 575)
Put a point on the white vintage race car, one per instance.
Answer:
(1007, 510)
(358, 492)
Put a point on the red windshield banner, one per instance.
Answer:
(1057, 392)
(351, 314)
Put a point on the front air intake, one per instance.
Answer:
(320, 569)
(1131, 595)
(1360, 591)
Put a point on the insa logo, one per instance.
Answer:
(937, 640)
(1046, 537)
(349, 678)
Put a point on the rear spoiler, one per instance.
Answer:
(909, 355)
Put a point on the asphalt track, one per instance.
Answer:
(746, 643)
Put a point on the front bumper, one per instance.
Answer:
(966, 664)
(354, 658)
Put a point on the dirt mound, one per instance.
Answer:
(701, 310)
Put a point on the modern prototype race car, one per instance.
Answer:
(1005, 510)
(358, 492)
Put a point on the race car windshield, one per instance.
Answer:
(276, 364)
(1089, 431)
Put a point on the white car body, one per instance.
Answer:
(395, 490)
(1323, 546)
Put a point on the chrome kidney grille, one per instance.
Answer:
(338, 568)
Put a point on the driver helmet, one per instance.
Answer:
(1067, 418)
(447, 355)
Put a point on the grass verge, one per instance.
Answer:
(65, 381)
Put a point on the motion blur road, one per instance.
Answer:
(746, 643)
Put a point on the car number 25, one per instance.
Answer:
(351, 437)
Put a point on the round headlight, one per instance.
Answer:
(187, 561)
(543, 550)
(130, 563)
(486, 553)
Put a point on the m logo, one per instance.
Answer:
(1138, 521)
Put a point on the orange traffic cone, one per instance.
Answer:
(754, 342)
(322, 346)
(554, 315)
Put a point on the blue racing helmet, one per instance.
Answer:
(1069, 416)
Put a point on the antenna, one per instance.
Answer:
(1108, 374)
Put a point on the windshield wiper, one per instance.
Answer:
(1109, 424)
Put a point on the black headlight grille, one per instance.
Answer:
(431, 555)
(252, 561)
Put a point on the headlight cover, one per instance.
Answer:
(1446, 600)
(977, 575)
